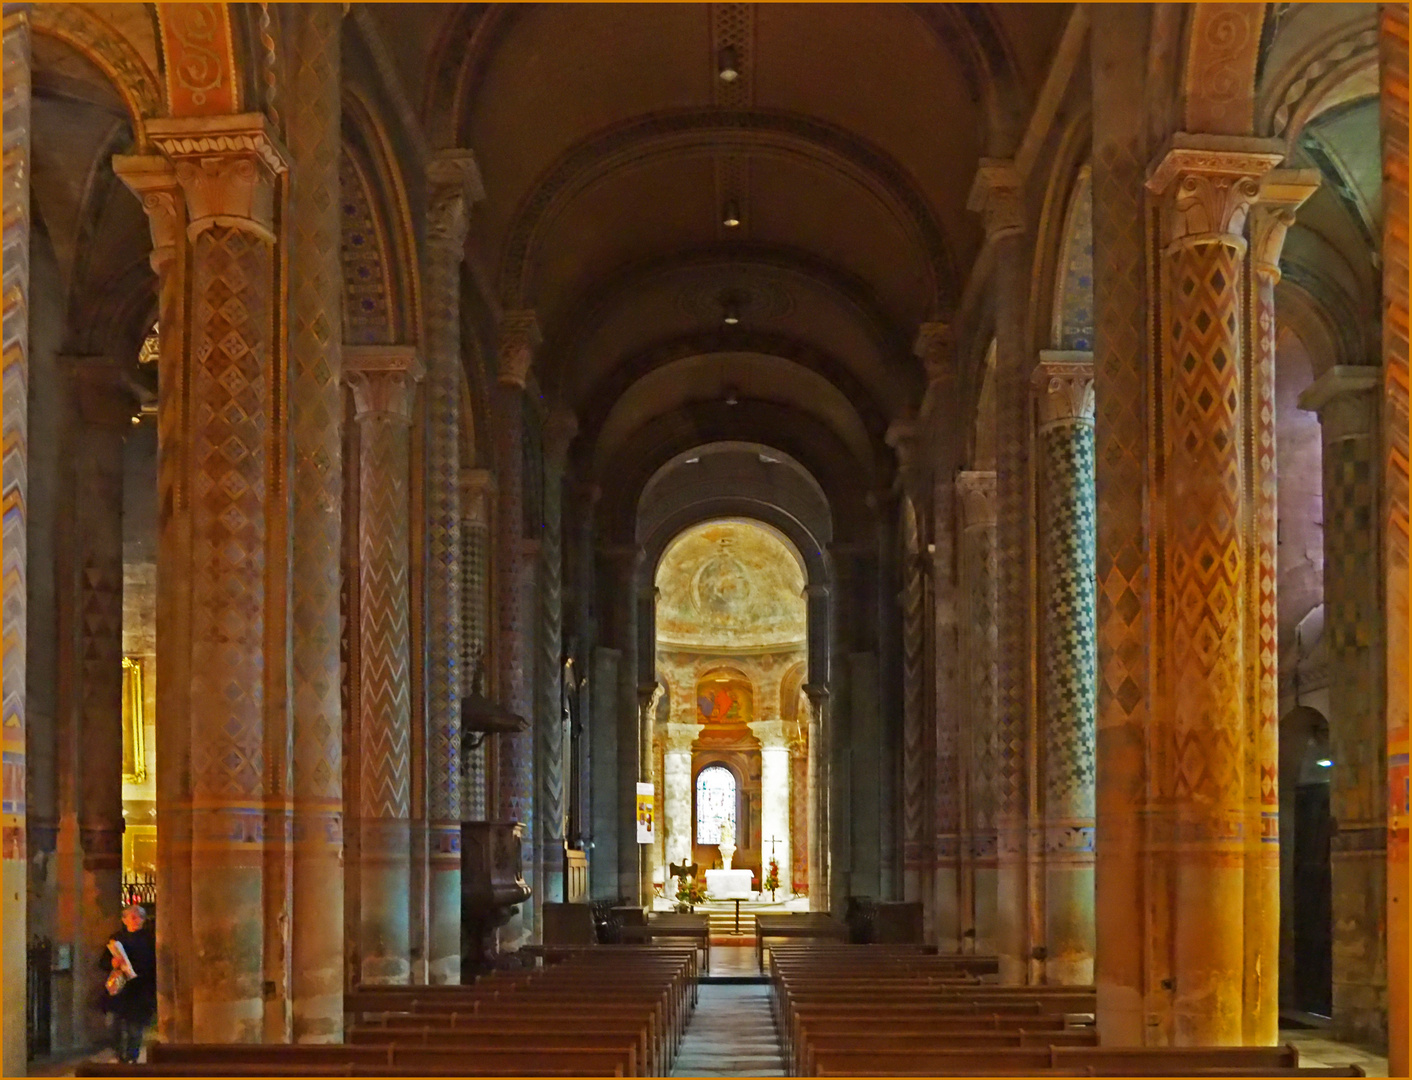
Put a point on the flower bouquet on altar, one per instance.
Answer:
(772, 879)
(690, 893)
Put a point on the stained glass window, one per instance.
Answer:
(715, 803)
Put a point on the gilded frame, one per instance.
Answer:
(134, 721)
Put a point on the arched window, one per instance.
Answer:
(715, 803)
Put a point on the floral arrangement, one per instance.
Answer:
(772, 879)
(690, 892)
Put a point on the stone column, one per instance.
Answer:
(453, 183)
(94, 603)
(975, 493)
(774, 796)
(997, 193)
(1198, 729)
(16, 450)
(817, 795)
(227, 168)
(514, 577)
(551, 740)
(1068, 680)
(676, 783)
(1346, 400)
(316, 413)
(477, 493)
(1282, 191)
(383, 379)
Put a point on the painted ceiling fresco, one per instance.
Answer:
(730, 585)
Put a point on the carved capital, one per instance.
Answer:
(649, 695)
(935, 346)
(519, 338)
(382, 378)
(226, 166)
(997, 194)
(1346, 399)
(477, 490)
(453, 185)
(977, 493)
(1207, 184)
(1063, 384)
(1282, 192)
(771, 733)
(152, 178)
(559, 431)
(677, 738)
(101, 392)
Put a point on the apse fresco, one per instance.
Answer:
(724, 701)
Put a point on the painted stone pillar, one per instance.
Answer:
(383, 380)
(551, 738)
(975, 494)
(816, 825)
(1282, 191)
(1068, 680)
(1196, 812)
(774, 797)
(453, 183)
(1346, 400)
(316, 534)
(227, 167)
(677, 789)
(514, 576)
(94, 584)
(1393, 47)
(16, 449)
(477, 493)
(997, 194)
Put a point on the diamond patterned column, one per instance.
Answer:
(454, 183)
(1347, 403)
(519, 337)
(1067, 671)
(383, 379)
(16, 449)
(94, 602)
(313, 114)
(227, 168)
(477, 494)
(1282, 191)
(975, 494)
(1196, 812)
(997, 193)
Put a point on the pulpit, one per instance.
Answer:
(492, 884)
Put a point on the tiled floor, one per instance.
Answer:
(731, 1034)
(734, 960)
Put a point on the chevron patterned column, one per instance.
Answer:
(16, 449)
(383, 380)
(93, 582)
(1282, 191)
(1068, 678)
(453, 184)
(997, 194)
(1354, 616)
(227, 167)
(313, 113)
(1198, 730)
(551, 738)
(514, 573)
(477, 492)
(975, 496)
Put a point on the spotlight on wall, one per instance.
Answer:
(731, 218)
(1324, 763)
(727, 69)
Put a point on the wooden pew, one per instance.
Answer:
(802, 924)
(1027, 1061)
(394, 1059)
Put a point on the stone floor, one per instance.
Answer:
(734, 960)
(731, 1034)
(1316, 1049)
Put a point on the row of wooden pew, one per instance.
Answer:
(586, 1012)
(874, 1010)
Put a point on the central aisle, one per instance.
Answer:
(731, 1033)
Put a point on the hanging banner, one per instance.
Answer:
(645, 806)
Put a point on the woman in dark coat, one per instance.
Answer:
(136, 1003)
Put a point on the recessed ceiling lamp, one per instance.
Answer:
(730, 310)
(731, 218)
(732, 395)
(727, 70)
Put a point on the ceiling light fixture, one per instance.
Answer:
(731, 218)
(730, 307)
(727, 70)
(732, 396)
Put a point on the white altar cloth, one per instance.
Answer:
(728, 884)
